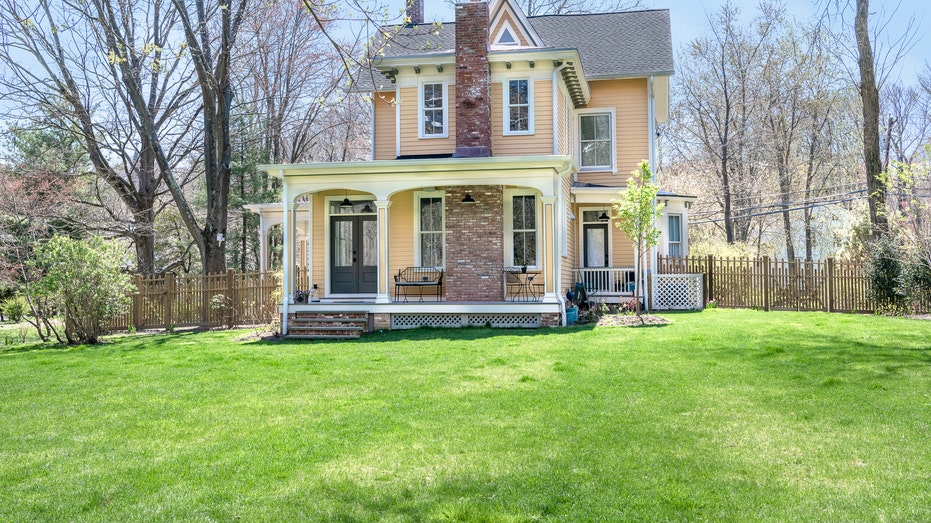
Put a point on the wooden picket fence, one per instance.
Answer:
(230, 298)
(771, 284)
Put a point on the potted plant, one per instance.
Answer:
(300, 297)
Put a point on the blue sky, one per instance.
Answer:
(690, 20)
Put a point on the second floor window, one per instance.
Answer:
(675, 235)
(433, 110)
(518, 107)
(596, 139)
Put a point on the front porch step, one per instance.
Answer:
(327, 325)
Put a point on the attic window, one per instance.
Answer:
(507, 38)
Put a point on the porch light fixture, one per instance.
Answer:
(468, 199)
(416, 69)
(367, 208)
(604, 217)
(346, 203)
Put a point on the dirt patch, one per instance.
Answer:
(630, 320)
(920, 317)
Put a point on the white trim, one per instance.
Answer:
(506, 106)
(428, 194)
(420, 109)
(613, 140)
(581, 231)
(397, 125)
(509, 195)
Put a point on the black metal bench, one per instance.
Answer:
(415, 280)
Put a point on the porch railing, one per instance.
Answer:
(606, 281)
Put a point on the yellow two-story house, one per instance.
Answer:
(498, 145)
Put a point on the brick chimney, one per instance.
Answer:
(415, 11)
(473, 81)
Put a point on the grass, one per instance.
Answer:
(722, 415)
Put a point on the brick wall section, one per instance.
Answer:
(415, 11)
(473, 81)
(474, 244)
(550, 319)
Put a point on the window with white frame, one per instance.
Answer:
(596, 141)
(430, 231)
(675, 234)
(518, 107)
(523, 225)
(433, 114)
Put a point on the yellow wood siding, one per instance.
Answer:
(538, 143)
(568, 262)
(410, 143)
(629, 97)
(384, 126)
(401, 233)
(562, 123)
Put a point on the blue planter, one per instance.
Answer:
(572, 315)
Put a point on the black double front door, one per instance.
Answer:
(353, 255)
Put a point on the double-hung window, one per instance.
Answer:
(430, 235)
(433, 113)
(524, 229)
(675, 235)
(596, 141)
(518, 107)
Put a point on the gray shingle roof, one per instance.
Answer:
(634, 43)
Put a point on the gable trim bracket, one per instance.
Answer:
(576, 86)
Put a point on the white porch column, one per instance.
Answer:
(263, 244)
(550, 260)
(384, 278)
(286, 269)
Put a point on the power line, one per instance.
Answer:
(780, 211)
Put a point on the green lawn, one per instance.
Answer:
(721, 415)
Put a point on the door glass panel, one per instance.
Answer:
(342, 243)
(369, 243)
(595, 246)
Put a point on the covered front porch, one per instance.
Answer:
(426, 241)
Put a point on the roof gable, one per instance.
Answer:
(507, 19)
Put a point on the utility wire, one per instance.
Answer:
(779, 211)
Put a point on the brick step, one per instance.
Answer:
(347, 328)
(327, 325)
(302, 319)
(323, 336)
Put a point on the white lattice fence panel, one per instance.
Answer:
(505, 321)
(413, 321)
(677, 291)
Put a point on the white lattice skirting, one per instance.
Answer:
(677, 291)
(413, 321)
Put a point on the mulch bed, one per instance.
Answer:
(630, 320)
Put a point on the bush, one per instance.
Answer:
(84, 278)
(915, 279)
(14, 308)
(883, 268)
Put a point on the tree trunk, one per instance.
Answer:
(869, 95)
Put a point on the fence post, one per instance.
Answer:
(137, 304)
(830, 283)
(169, 298)
(767, 273)
(230, 275)
(710, 290)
